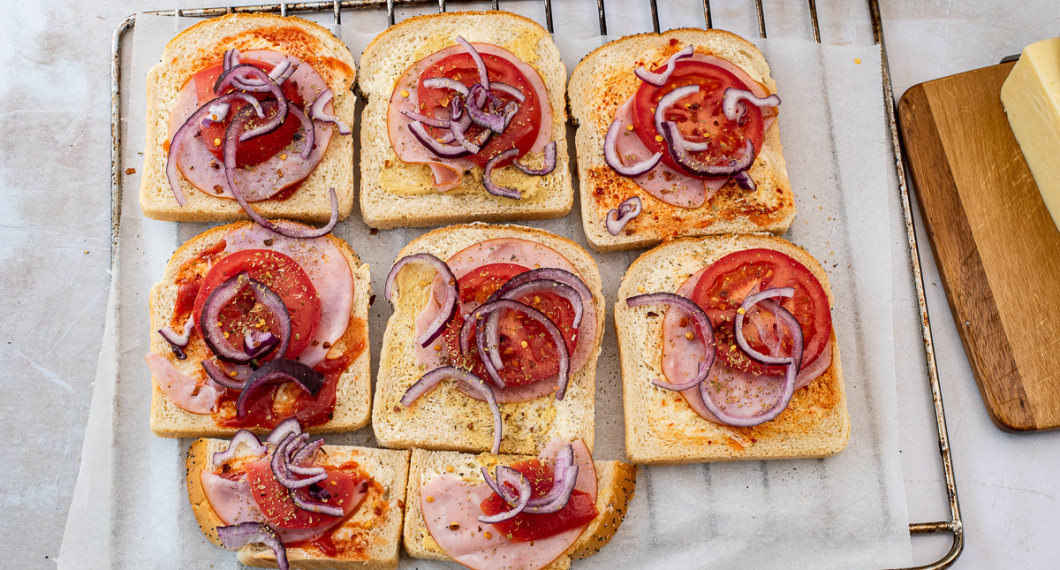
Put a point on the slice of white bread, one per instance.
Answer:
(373, 531)
(615, 484)
(397, 194)
(602, 81)
(445, 418)
(204, 44)
(660, 426)
(353, 397)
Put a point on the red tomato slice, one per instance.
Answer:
(522, 130)
(699, 116)
(524, 527)
(724, 285)
(281, 274)
(256, 150)
(526, 348)
(277, 506)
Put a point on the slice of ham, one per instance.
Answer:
(531, 255)
(181, 389)
(668, 185)
(456, 501)
(447, 172)
(682, 356)
(260, 182)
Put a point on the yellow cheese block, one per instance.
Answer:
(1031, 96)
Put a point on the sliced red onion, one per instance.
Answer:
(510, 110)
(446, 83)
(508, 89)
(615, 162)
(283, 70)
(565, 476)
(178, 341)
(487, 176)
(545, 285)
(748, 303)
(310, 131)
(618, 218)
(483, 76)
(431, 379)
(236, 536)
(449, 304)
(231, 58)
(680, 154)
(429, 121)
(303, 455)
(479, 116)
(659, 79)
(669, 100)
(435, 146)
(249, 78)
(550, 162)
(456, 109)
(734, 111)
(276, 372)
(269, 126)
(282, 429)
(316, 505)
(190, 128)
(218, 112)
(701, 323)
(257, 343)
(317, 112)
(209, 323)
(458, 129)
(245, 437)
(280, 471)
(509, 476)
(217, 375)
(553, 273)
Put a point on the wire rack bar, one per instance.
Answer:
(953, 526)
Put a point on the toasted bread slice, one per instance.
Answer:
(660, 426)
(616, 481)
(603, 81)
(353, 397)
(445, 418)
(399, 194)
(204, 44)
(373, 532)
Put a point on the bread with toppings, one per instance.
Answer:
(603, 81)
(399, 194)
(203, 45)
(661, 427)
(445, 418)
(353, 390)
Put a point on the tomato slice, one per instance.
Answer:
(522, 130)
(256, 150)
(281, 274)
(524, 527)
(698, 116)
(277, 506)
(526, 348)
(724, 285)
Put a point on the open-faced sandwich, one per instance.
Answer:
(677, 136)
(728, 352)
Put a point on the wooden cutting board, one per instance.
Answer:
(996, 246)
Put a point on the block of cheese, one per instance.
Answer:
(1031, 96)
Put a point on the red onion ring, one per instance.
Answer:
(458, 130)
(310, 131)
(491, 121)
(283, 475)
(553, 273)
(732, 97)
(276, 372)
(316, 111)
(617, 218)
(438, 148)
(257, 344)
(449, 304)
(550, 162)
(545, 285)
(695, 166)
(749, 302)
(209, 323)
(615, 162)
(189, 129)
(431, 379)
(700, 321)
(565, 477)
(484, 78)
(508, 89)
(230, 59)
(278, 433)
(487, 176)
(446, 83)
(671, 99)
(744, 180)
(509, 476)
(245, 437)
(429, 121)
(178, 341)
(214, 372)
(303, 455)
(236, 536)
(659, 79)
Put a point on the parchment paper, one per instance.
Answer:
(130, 506)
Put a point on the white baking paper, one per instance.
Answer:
(130, 506)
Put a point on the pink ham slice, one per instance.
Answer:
(181, 389)
(664, 183)
(456, 501)
(531, 255)
(447, 172)
(682, 356)
(264, 180)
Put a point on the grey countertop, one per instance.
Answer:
(54, 262)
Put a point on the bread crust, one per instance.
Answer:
(374, 528)
(602, 81)
(397, 194)
(430, 423)
(353, 393)
(660, 426)
(204, 43)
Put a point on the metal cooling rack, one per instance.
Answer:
(954, 526)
